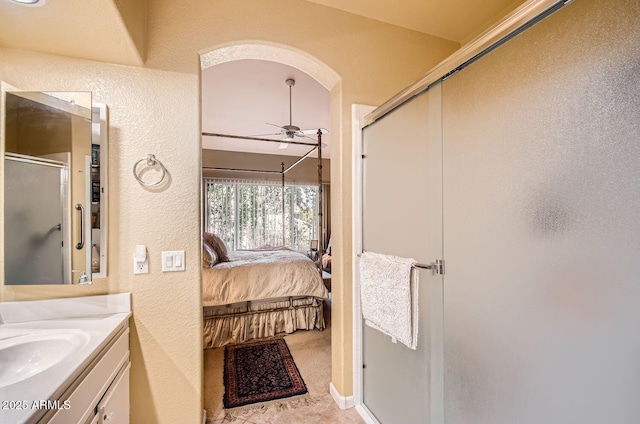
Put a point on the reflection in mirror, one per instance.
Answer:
(48, 188)
(99, 198)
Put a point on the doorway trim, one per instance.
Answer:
(358, 113)
(272, 52)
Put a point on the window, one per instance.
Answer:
(248, 214)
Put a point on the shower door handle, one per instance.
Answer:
(80, 208)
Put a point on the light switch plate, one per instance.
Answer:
(173, 260)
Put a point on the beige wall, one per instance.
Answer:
(158, 112)
(373, 60)
(149, 112)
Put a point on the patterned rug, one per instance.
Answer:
(258, 372)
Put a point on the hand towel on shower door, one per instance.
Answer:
(389, 296)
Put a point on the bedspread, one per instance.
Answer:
(262, 274)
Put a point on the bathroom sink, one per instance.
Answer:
(23, 356)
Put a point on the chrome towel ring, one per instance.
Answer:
(151, 161)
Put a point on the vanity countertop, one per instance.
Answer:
(98, 319)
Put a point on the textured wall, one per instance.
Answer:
(373, 61)
(157, 112)
(149, 112)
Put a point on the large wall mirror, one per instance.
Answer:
(55, 188)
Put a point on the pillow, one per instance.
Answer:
(209, 257)
(225, 247)
(218, 246)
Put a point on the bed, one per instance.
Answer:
(260, 293)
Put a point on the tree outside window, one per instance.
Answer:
(248, 215)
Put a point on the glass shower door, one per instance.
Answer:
(33, 223)
(542, 224)
(402, 216)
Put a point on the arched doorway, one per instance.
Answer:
(307, 64)
(273, 53)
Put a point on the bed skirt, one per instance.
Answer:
(245, 321)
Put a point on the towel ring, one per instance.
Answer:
(151, 161)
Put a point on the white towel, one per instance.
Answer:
(389, 296)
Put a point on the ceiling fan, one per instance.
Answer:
(291, 131)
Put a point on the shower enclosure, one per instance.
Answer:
(539, 203)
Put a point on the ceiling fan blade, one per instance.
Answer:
(283, 146)
(315, 142)
(274, 125)
(314, 131)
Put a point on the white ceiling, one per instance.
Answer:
(241, 97)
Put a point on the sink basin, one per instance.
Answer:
(26, 355)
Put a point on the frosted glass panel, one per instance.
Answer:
(542, 224)
(33, 224)
(402, 216)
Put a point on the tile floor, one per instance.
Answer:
(311, 350)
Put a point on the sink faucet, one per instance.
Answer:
(83, 277)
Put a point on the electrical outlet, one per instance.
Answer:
(141, 267)
(140, 260)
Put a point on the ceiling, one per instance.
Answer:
(456, 20)
(74, 28)
(241, 97)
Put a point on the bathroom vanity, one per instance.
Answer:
(65, 361)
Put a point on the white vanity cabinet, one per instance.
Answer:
(114, 406)
(82, 372)
(101, 393)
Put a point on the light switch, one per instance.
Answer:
(173, 260)
(178, 260)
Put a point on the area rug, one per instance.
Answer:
(259, 372)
